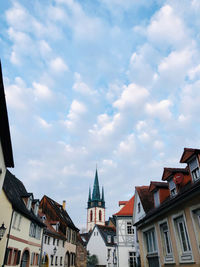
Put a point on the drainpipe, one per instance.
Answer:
(8, 237)
(41, 249)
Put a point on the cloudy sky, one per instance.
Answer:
(109, 82)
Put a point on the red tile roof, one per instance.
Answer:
(155, 185)
(122, 202)
(127, 210)
(169, 171)
(146, 197)
(188, 153)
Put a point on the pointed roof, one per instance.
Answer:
(96, 191)
(146, 197)
(4, 127)
(127, 210)
(89, 197)
(102, 196)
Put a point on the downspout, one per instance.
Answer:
(8, 237)
(41, 250)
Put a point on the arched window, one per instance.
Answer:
(91, 215)
(100, 216)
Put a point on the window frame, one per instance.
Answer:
(168, 257)
(146, 231)
(129, 228)
(193, 170)
(184, 256)
(192, 209)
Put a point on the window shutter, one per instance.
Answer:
(18, 257)
(6, 256)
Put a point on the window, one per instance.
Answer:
(45, 239)
(63, 243)
(56, 260)
(57, 242)
(54, 240)
(109, 239)
(51, 259)
(16, 221)
(61, 261)
(129, 228)
(150, 241)
(194, 169)
(166, 242)
(196, 219)
(115, 239)
(91, 215)
(36, 208)
(185, 252)
(48, 238)
(29, 203)
(132, 259)
(139, 207)
(108, 253)
(172, 188)
(100, 216)
(156, 199)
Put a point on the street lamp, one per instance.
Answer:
(54, 251)
(2, 231)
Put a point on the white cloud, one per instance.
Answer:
(132, 97)
(41, 91)
(166, 28)
(43, 123)
(76, 114)
(58, 65)
(81, 87)
(160, 109)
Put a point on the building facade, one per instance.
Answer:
(126, 235)
(169, 233)
(21, 244)
(96, 206)
(102, 243)
(63, 236)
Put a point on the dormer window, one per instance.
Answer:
(109, 239)
(194, 169)
(156, 199)
(139, 207)
(36, 208)
(172, 188)
(29, 203)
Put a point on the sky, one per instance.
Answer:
(112, 83)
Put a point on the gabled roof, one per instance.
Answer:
(127, 210)
(96, 191)
(170, 171)
(146, 197)
(15, 190)
(106, 231)
(4, 127)
(188, 153)
(61, 213)
(157, 185)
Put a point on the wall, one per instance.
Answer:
(95, 211)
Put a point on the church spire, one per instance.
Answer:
(96, 191)
(102, 195)
(89, 197)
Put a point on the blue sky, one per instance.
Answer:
(113, 83)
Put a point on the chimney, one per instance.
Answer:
(64, 204)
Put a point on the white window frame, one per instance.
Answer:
(184, 256)
(192, 209)
(129, 228)
(151, 229)
(172, 187)
(29, 202)
(168, 257)
(132, 257)
(156, 199)
(196, 168)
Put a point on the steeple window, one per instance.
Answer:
(100, 215)
(91, 215)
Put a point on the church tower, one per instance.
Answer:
(96, 206)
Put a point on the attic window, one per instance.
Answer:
(194, 169)
(156, 199)
(139, 207)
(172, 188)
(109, 239)
(29, 203)
(36, 208)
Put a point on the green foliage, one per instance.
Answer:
(92, 260)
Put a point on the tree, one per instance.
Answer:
(92, 260)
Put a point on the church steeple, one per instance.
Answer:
(96, 191)
(102, 197)
(89, 196)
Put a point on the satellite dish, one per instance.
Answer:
(178, 178)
